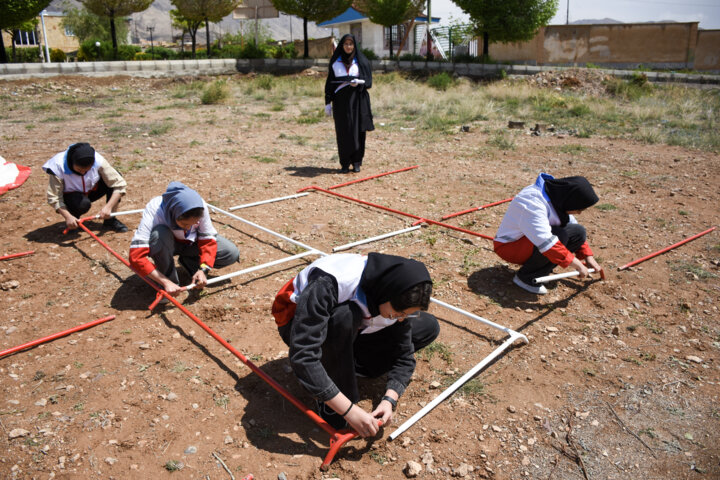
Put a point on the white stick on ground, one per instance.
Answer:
(379, 237)
(271, 200)
(126, 212)
(459, 383)
(256, 267)
(557, 276)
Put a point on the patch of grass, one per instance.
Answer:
(605, 207)
(442, 81)
(173, 465)
(216, 92)
(502, 141)
(650, 432)
(573, 149)
(310, 117)
(691, 270)
(653, 327)
(633, 360)
(648, 357)
(160, 128)
(264, 159)
(629, 173)
(430, 239)
(79, 407)
(124, 167)
(265, 82)
(179, 367)
(298, 139)
(222, 401)
(379, 458)
(436, 347)
(277, 107)
(473, 388)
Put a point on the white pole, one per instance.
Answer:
(47, 49)
(126, 212)
(262, 202)
(557, 276)
(267, 230)
(379, 237)
(479, 319)
(452, 388)
(256, 267)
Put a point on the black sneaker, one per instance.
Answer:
(115, 224)
(330, 416)
(345, 170)
(356, 167)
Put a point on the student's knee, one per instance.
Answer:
(77, 203)
(425, 329)
(161, 240)
(227, 253)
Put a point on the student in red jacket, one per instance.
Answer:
(540, 232)
(178, 223)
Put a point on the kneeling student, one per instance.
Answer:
(348, 315)
(79, 176)
(178, 223)
(539, 230)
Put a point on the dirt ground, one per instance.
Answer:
(620, 379)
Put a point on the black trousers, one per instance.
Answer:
(347, 353)
(572, 235)
(78, 203)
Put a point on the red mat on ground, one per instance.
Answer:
(12, 175)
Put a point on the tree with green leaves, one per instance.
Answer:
(113, 9)
(85, 25)
(13, 13)
(186, 25)
(314, 10)
(389, 13)
(205, 11)
(507, 21)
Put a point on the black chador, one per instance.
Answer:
(346, 88)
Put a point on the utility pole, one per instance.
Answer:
(429, 55)
(567, 13)
(152, 47)
(45, 39)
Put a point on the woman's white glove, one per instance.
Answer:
(328, 109)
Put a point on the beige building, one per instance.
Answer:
(624, 45)
(57, 36)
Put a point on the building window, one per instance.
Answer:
(398, 33)
(25, 38)
(69, 32)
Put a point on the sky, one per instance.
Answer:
(707, 12)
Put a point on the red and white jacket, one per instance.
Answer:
(202, 232)
(528, 223)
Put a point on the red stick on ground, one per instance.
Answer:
(54, 336)
(475, 208)
(689, 239)
(361, 179)
(337, 437)
(15, 255)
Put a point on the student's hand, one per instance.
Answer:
(199, 279)
(580, 267)
(172, 288)
(354, 82)
(105, 212)
(328, 109)
(383, 412)
(362, 422)
(593, 264)
(71, 223)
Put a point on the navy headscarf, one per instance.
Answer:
(178, 199)
(78, 152)
(568, 194)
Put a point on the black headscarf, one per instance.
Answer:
(387, 276)
(362, 61)
(77, 152)
(570, 193)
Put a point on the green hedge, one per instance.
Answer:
(24, 55)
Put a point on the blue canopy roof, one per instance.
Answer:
(352, 15)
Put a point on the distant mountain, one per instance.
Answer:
(157, 16)
(590, 21)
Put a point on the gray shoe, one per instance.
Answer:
(536, 289)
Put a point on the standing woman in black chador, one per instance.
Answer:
(347, 99)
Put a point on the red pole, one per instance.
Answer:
(337, 438)
(56, 335)
(456, 214)
(419, 219)
(15, 255)
(361, 179)
(689, 239)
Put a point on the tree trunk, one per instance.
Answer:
(391, 49)
(207, 36)
(486, 47)
(3, 53)
(113, 34)
(306, 53)
(193, 35)
(12, 42)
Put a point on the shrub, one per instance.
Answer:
(90, 52)
(57, 55)
(250, 50)
(24, 54)
(216, 92)
(371, 55)
(127, 52)
(160, 53)
(441, 81)
(411, 57)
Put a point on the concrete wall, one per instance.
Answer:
(317, 48)
(707, 52)
(659, 45)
